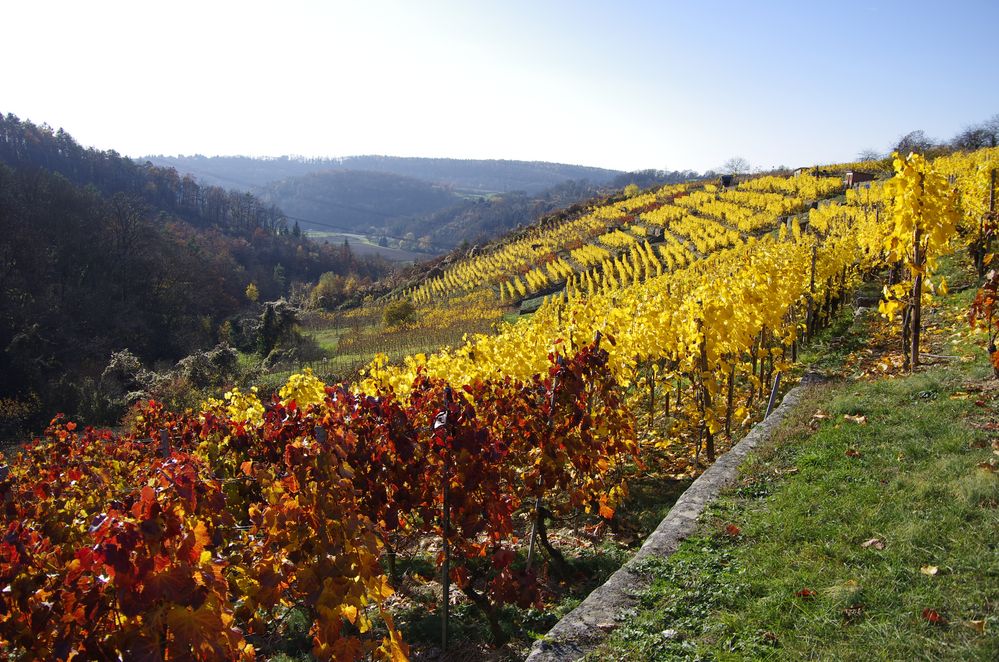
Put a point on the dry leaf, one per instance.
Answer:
(858, 419)
(875, 543)
(934, 617)
(732, 530)
(820, 415)
(852, 452)
(929, 570)
(988, 466)
(977, 626)
(805, 594)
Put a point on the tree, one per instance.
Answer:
(252, 293)
(981, 135)
(279, 276)
(736, 166)
(914, 141)
(398, 313)
(278, 322)
(869, 155)
(328, 292)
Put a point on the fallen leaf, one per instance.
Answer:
(859, 419)
(852, 452)
(929, 570)
(988, 466)
(979, 403)
(805, 594)
(732, 530)
(876, 543)
(934, 617)
(977, 626)
(820, 415)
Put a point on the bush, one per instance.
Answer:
(398, 313)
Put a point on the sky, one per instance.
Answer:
(627, 85)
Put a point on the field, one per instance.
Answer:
(363, 245)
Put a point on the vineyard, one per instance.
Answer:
(670, 319)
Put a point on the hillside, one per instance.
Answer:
(466, 175)
(99, 254)
(407, 204)
(516, 466)
(698, 299)
(403, 214)
(371, 203)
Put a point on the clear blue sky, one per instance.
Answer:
(624, 85)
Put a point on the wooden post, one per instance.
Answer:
(164, 443)
(534, 532)
(810, 315)
(652, 396)
(982, 244)
(446, 570)
(705, 394)
(992, 191)
(728, 406)
(917, 299)
(538, 511)
(441, 421)
(773, 395)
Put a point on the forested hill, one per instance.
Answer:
(468, 175)
(100, 254)
(372, 203)
(426, 205)
(411, 214)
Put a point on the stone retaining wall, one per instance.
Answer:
(587, 625)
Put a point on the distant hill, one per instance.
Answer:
(430, 210)
(404, 204)
(98, 254)
(466, 175)
(358, 201)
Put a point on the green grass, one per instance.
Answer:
(797, 581)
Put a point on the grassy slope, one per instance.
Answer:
(908, 478)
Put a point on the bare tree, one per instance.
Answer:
(914, 141)
(981, 135)
(869, 155)
(736, 166)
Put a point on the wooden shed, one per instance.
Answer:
(856, 177)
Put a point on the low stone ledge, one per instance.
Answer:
(582, 629)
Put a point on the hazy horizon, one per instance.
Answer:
(632, 86)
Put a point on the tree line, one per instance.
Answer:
(99, 254)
